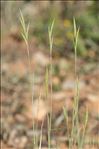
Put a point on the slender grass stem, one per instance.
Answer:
(25, 35)
(50, 30)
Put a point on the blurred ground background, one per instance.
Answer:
(16, 109)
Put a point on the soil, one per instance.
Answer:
(17, 110)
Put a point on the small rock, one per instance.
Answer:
(20, 142)
(93, 105)
(41, 59)
(12, 137)
(38, 110)
(20, 118)
(71, 84)
(59, 96)
(55, 81)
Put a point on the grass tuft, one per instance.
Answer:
(75, 136)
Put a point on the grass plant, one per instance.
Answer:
(25, 35)
(76, 136)
(50, 33)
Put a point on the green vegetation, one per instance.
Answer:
(63, 32)
(63, 12)
(76, 136)
(52, 88)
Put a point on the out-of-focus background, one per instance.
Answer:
(16, 101)
(40, 14)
